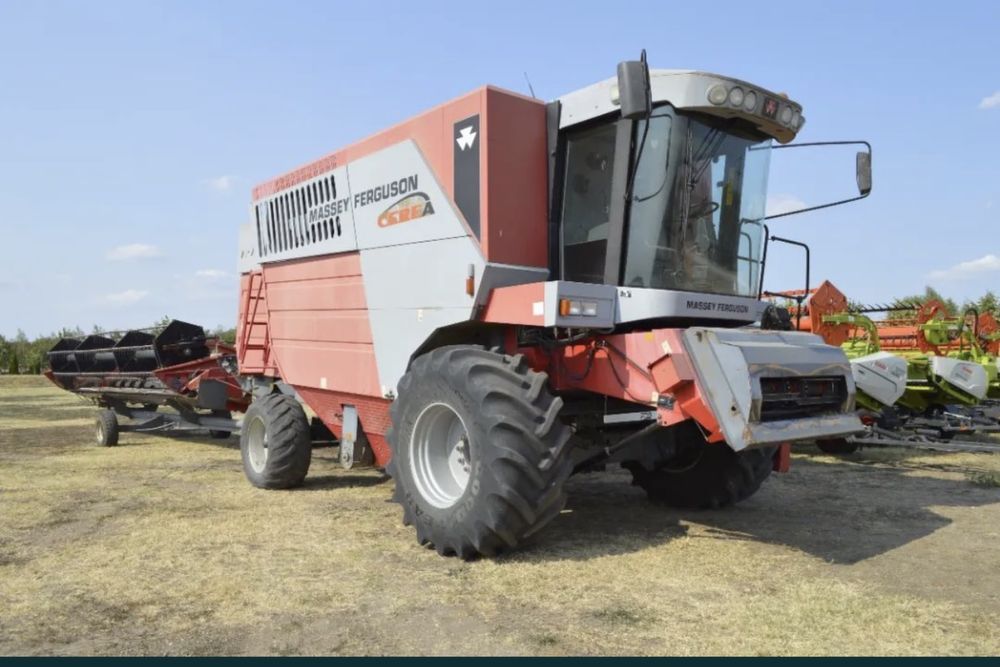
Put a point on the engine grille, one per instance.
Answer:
(797, 397)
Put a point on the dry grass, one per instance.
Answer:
(159, 546)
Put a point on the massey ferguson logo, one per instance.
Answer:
(410, 207)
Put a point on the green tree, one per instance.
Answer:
(988, 303)
(13, 368)
(223, 334)
(930, 294)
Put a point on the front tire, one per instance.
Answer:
(274, 442)
(479, 456)
(706, 476)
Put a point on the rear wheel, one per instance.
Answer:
(274, 442)
(479, 456)
(705, 476)
(106, 428)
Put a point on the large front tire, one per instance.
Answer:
(479, 455)
(274, 442)
(707, 476)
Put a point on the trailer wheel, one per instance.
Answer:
(837, 446)
(274, 442)
(479, 456)
(709, 476)
(106, 428)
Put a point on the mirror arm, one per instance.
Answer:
(821, 206)
(815, 208)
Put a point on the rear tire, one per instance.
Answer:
(837, 446)
(479, 455)
(274, 442)
(707, 477)
(106, 428)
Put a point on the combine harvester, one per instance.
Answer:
(922, 381)
(500, 292)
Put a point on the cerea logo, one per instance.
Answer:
(410, 207)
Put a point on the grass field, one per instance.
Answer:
(159, 546)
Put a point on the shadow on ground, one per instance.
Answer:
(840, 512)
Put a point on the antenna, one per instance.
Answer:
(532, 90)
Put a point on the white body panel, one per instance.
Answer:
(968, 376)
(683, 89)
(730, 363)
(881, 375)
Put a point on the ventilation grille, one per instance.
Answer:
(798, 397)
(293, 219)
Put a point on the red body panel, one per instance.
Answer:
(306, 320)
(641, 367)
(513, 167)
(311, 329)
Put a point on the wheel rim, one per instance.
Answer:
(100, 433)
(257, 445)
(440, 455)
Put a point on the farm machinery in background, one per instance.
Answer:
(501, 292)
(924, 378)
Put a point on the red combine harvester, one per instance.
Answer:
(501, 292)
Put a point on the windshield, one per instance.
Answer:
(697, 205)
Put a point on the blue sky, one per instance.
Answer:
(131, 133)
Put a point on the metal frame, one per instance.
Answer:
(151, 421)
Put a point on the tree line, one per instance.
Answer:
(21, 355)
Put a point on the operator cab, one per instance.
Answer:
(671, 203)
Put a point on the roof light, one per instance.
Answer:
(717, 94)
(786, 115)
(796, 120)
(736, 96)
(750, 101)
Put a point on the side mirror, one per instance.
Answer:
(634, 94)
(864, 173)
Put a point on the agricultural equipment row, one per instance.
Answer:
(925, 377)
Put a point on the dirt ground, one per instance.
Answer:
(159, 546)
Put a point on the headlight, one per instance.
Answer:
(717, 94)
(736, 96)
